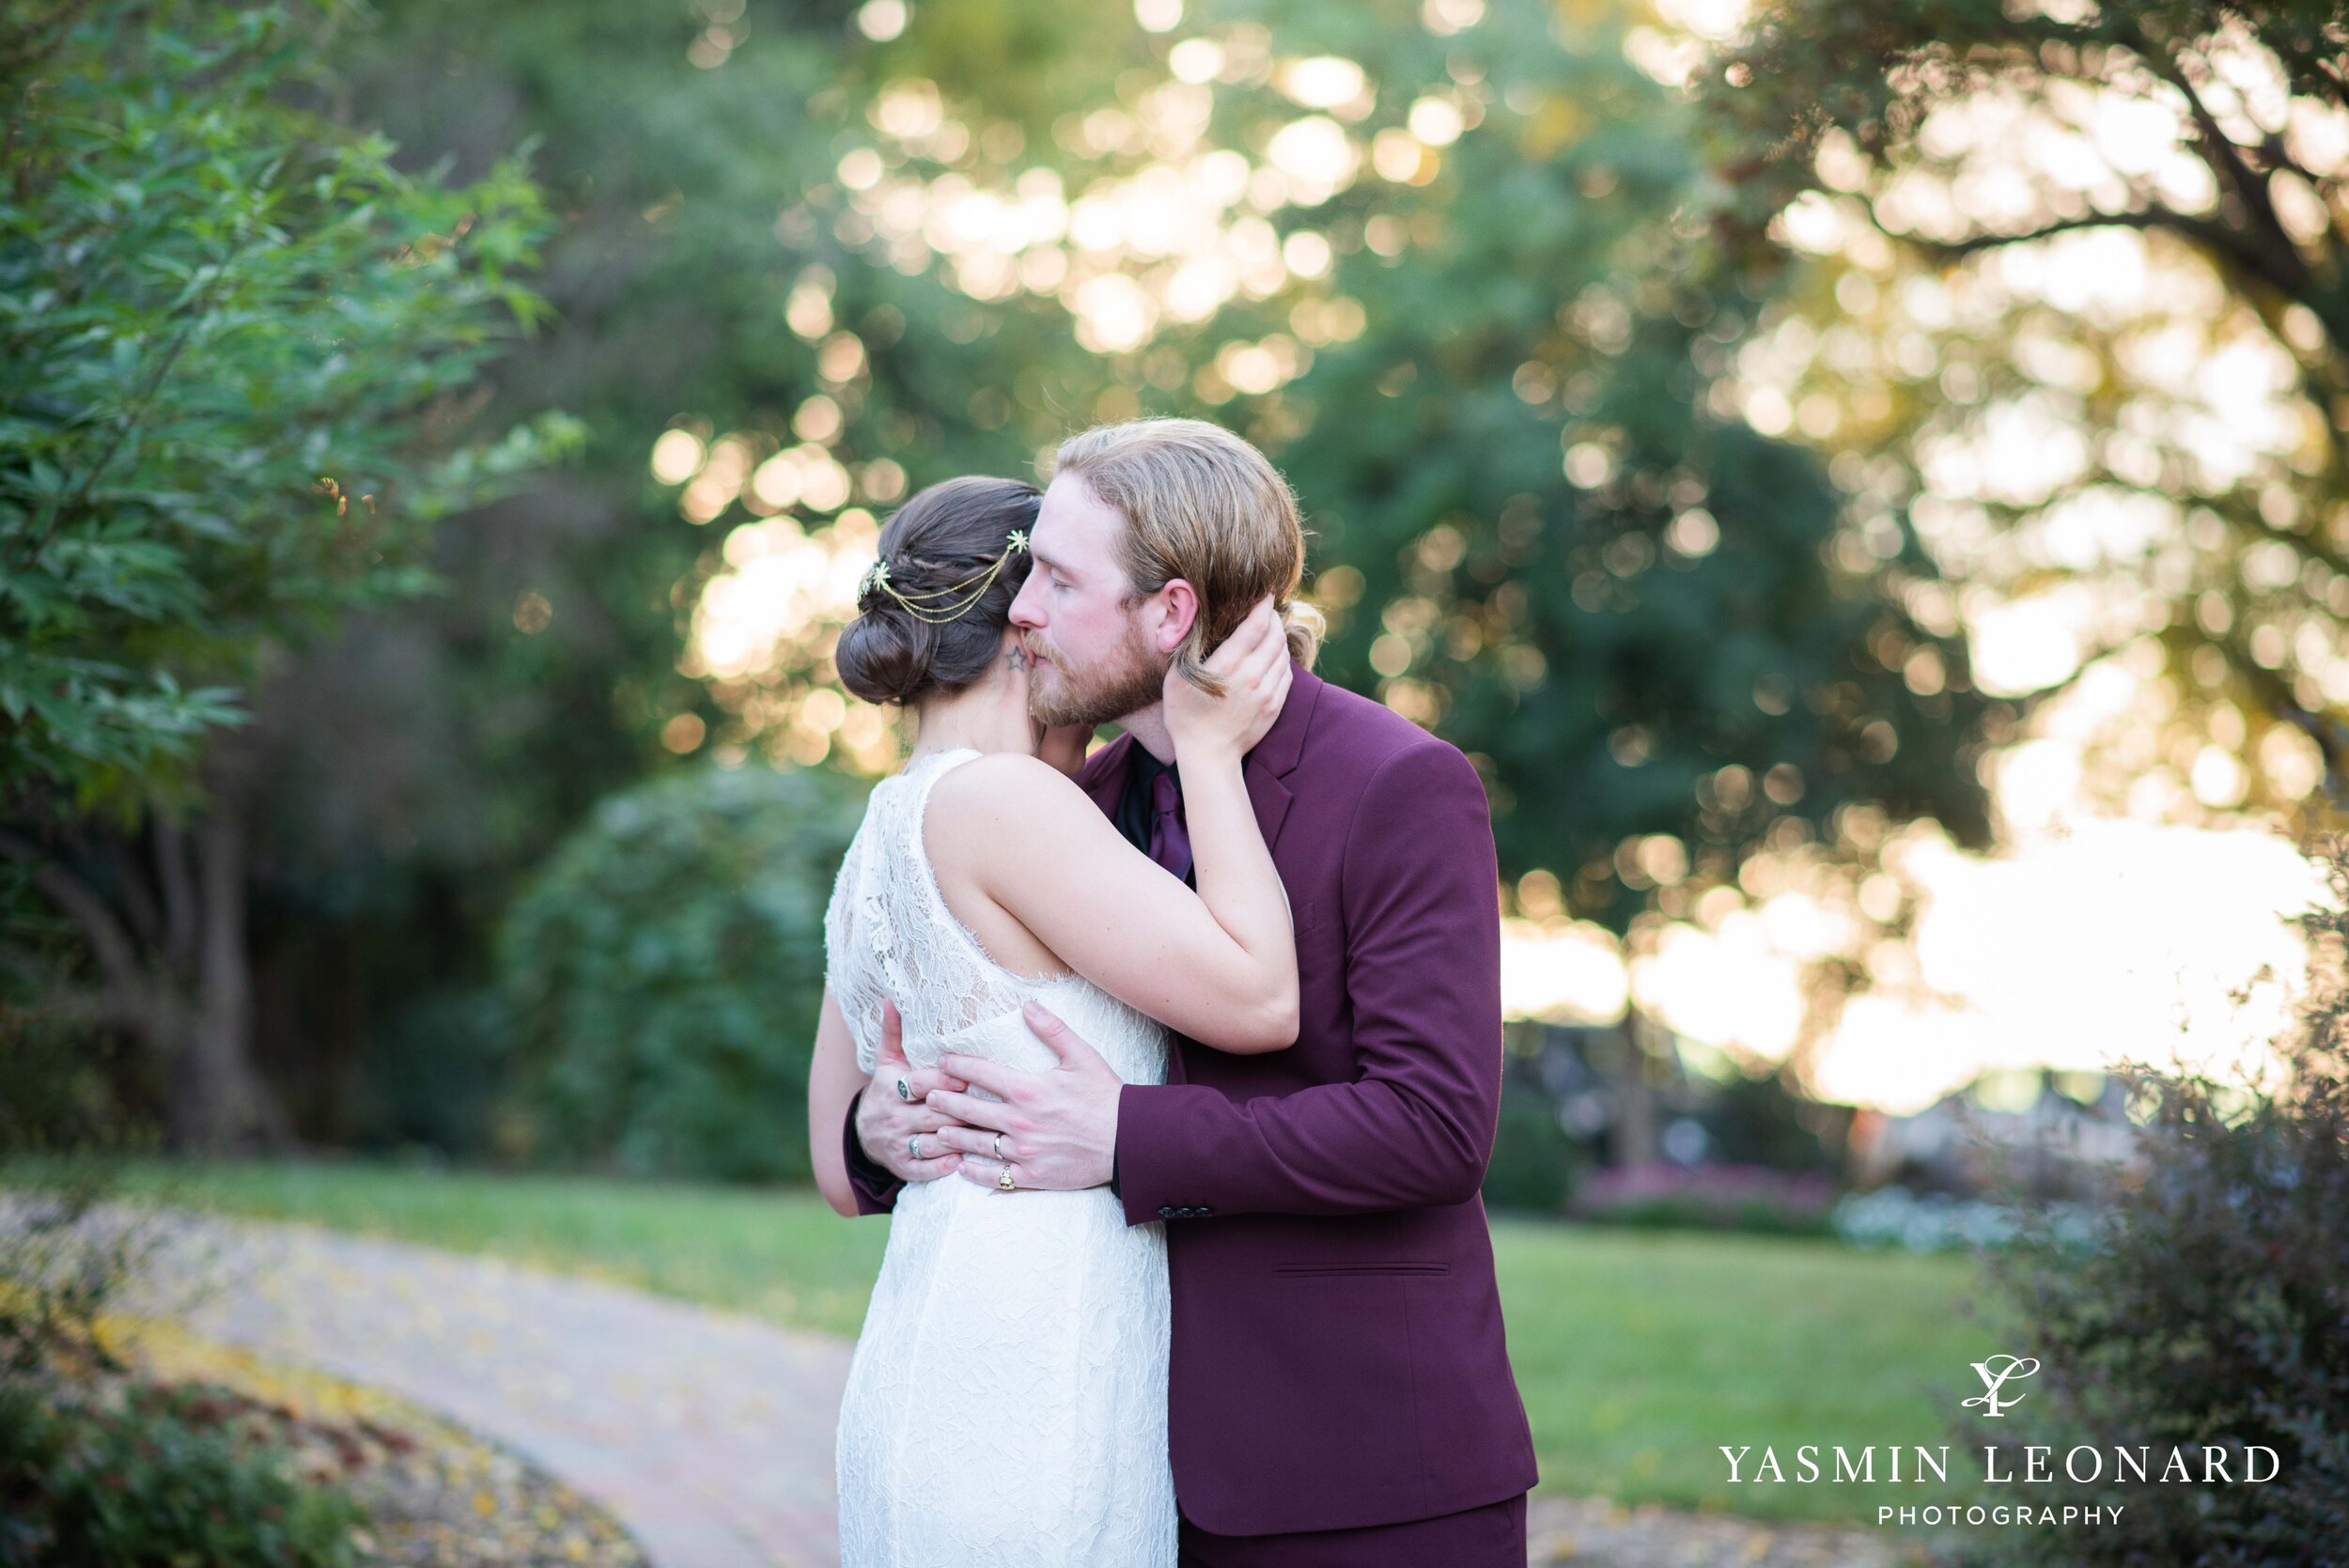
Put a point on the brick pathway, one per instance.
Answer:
(707, 1435)
(1592, 1532)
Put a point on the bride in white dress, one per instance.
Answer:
(1006, 1405)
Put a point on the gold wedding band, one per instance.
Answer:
(1003, 1183)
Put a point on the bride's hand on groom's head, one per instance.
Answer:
(894, 1120)
(1254, 665)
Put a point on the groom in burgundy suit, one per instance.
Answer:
(1340, 1390)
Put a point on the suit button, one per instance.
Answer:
(1204, 1212)
(1166, 1211)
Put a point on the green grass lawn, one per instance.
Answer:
(1638, 1352)
(1641, 1352)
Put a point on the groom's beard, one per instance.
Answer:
(1126, 683)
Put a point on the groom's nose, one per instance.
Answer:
(1024, 605)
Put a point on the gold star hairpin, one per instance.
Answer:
(940, 605)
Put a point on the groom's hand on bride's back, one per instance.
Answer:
(1058, 1128)
(900, 1129)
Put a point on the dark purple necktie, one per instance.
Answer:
(1170, 839)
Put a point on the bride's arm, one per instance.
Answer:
(1219, 965)
(832, 1080)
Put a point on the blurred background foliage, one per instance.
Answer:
(2121, 228)
(1625, 470)
(235, 403)
(646, 968)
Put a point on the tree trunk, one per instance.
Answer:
(173, 969)
(221, 1105)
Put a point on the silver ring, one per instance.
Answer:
(905, 1090)
(913, 1145)
(998, 1148)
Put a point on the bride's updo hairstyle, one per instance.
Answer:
(930, 615)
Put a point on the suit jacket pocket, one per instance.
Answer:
(1327, 1270)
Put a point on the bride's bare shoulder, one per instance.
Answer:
(1006, 789)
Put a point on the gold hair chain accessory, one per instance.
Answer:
(951, 603)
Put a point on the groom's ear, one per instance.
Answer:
(1175, 611)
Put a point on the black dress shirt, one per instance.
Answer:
(1132, 821)
(1131, 818)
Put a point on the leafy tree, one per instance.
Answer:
(399, 829)
(1442, 282)
(1666, 638)
(2074, 302)
(232, 406)
(664, 969)
(804, 269)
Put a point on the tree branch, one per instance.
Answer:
(116, 959)
(138, 900)
(2226, 246)
(104, 1008)
(172, 874)
(1958, 249)
(2221, 149)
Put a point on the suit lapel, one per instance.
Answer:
(1277, 754)
(1270, 797)
(1104, 774)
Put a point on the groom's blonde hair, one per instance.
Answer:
(1202, 505)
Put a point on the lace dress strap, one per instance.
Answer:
(890, 935)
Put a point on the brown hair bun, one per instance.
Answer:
(945, 535)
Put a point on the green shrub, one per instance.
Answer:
(157, 1476)
(236, 337)
(2210, 1307)
(62, 1255)
(1533, 1160)
(1764, 1120)
(664, 971)
(437, 1082)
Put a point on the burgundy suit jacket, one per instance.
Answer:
(1338, 1357)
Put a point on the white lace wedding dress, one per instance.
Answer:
(1007, 1406)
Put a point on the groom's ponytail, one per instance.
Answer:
(1305, 626)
